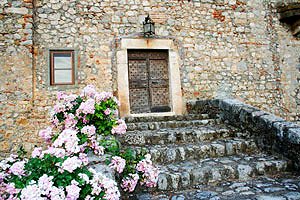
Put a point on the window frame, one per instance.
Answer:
(52, 67)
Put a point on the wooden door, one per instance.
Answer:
(148, 81)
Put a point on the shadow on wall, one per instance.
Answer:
(289, 12)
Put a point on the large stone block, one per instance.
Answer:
(104, 169)
(282, 127)
(267, 121)
(22, 11)
(227, 104)
(293, 135)
(246, 116)
(244, 172)
(163, 181)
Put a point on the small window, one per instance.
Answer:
(62, 68)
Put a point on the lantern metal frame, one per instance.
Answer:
(148, 27)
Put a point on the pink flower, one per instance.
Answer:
(70, 121)
(12, 158)
(84, 158)
(150, 173)
(88, 91)
(107, 111)
(36, 152)
(89, 130)
(58, 152)
(84, 177)
(144, 164)
(10, 189)
(70, 98)
(111, 189)
(103, 96)
(150, 177)
(54, 120)
(71, 164)
(101, 183)
(83, 147)
(87, 107)
(17, 168)
(45, 183)
(73, 191)
(2, 176)
(31, 192)
(63, 97)
(57, 193)
(60, 95)
(129, 183)
(59, 107)
(46, 134)
(98, 150)
(118, 164)
(120, 129)
(69, 139)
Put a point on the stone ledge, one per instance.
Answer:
(249, 116)
(272, 133)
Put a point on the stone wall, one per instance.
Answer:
(227, 48)
(74, 25)
(16, 34)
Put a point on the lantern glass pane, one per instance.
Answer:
(147, 28)
(152, 28)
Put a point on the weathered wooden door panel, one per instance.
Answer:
(159, 83)
(138, 74)
(148, 81)
(139, 85)
(138, 104)
(159, 69)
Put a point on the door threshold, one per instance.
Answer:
(160, 114)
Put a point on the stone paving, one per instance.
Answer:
(285, 187)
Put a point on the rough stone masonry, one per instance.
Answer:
(227, 48)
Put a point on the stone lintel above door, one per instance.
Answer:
(177, 107)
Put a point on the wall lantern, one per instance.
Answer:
(149, 28)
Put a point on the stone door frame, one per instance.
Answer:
(174, 74)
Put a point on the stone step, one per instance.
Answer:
(179, 135)
(284, 187)
(156, 125)
(167, 118)
(188, 174)
(178, 153)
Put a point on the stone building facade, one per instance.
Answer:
(216, 49)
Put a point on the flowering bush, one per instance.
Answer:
(88, 122)
(80, 124)
(134, 168)
(48, 175)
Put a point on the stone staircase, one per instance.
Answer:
(199, 149)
